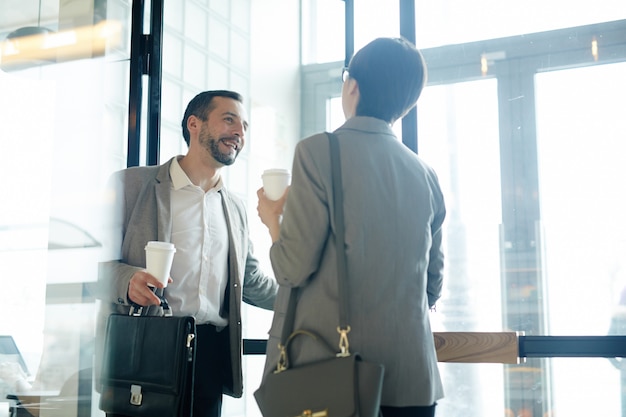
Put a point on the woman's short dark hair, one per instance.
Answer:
(202, 104)
(391, 74)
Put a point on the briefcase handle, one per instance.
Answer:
(137, 310)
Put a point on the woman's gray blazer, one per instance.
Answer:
(394, 211)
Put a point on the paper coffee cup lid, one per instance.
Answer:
(276, 171)
(160, 246)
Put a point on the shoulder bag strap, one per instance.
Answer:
(340, 236)
(342, 277)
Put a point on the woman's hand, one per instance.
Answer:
(270, 212)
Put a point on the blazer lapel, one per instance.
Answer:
(230, 298)
(162, 190)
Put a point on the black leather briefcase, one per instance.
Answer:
(148, 367)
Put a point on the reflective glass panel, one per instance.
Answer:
(582, 162)
(63, 124)
(458, 131)
(450, 22)
(581, 154)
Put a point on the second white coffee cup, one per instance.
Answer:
(159, 257)
(275, 181)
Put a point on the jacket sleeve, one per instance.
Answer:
(259, 289)
(113, 280)
(297, 254)
(113, 274)
(435, 263)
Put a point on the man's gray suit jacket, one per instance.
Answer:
(145, 216)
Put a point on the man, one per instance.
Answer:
(185, 202)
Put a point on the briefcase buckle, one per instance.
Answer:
(135, 395)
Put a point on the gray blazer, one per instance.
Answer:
(145, 217)
(394, 211)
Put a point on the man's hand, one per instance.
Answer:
(141, 289)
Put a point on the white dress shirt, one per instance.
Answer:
(200, 267)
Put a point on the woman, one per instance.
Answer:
(394, 210)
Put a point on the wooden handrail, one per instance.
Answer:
(477, 347)
(471, 347)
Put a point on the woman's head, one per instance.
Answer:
(390, 74)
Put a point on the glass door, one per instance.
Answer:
(581, 142)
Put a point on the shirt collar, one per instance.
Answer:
(181, 180)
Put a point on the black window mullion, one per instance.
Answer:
(145, 60)
(137, 46)
(154, 82)
(407, 31)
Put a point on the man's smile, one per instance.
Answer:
(231, 143)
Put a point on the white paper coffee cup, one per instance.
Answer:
(275, 181)
(159, 257)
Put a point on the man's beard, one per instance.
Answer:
(212, 145)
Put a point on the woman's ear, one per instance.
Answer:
(350, 97)
(353, 87)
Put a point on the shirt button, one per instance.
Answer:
(235, 285)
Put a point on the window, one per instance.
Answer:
(515, 145)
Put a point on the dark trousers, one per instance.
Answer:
(212, 371)
(408, 411)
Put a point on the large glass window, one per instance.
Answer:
(444, 22)
(450, 22)
(459, 127)
(580, 148)
(526, 150)
(582, 163)
(68, 130)
(529, 149)
(63, 112)
(460, 139)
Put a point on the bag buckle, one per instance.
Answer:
(344, 343)
(135, 395)
(282, 359)
(310, 413)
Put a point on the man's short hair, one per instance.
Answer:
(202, 104)
(391, 74)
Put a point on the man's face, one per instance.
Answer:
(223, 133)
